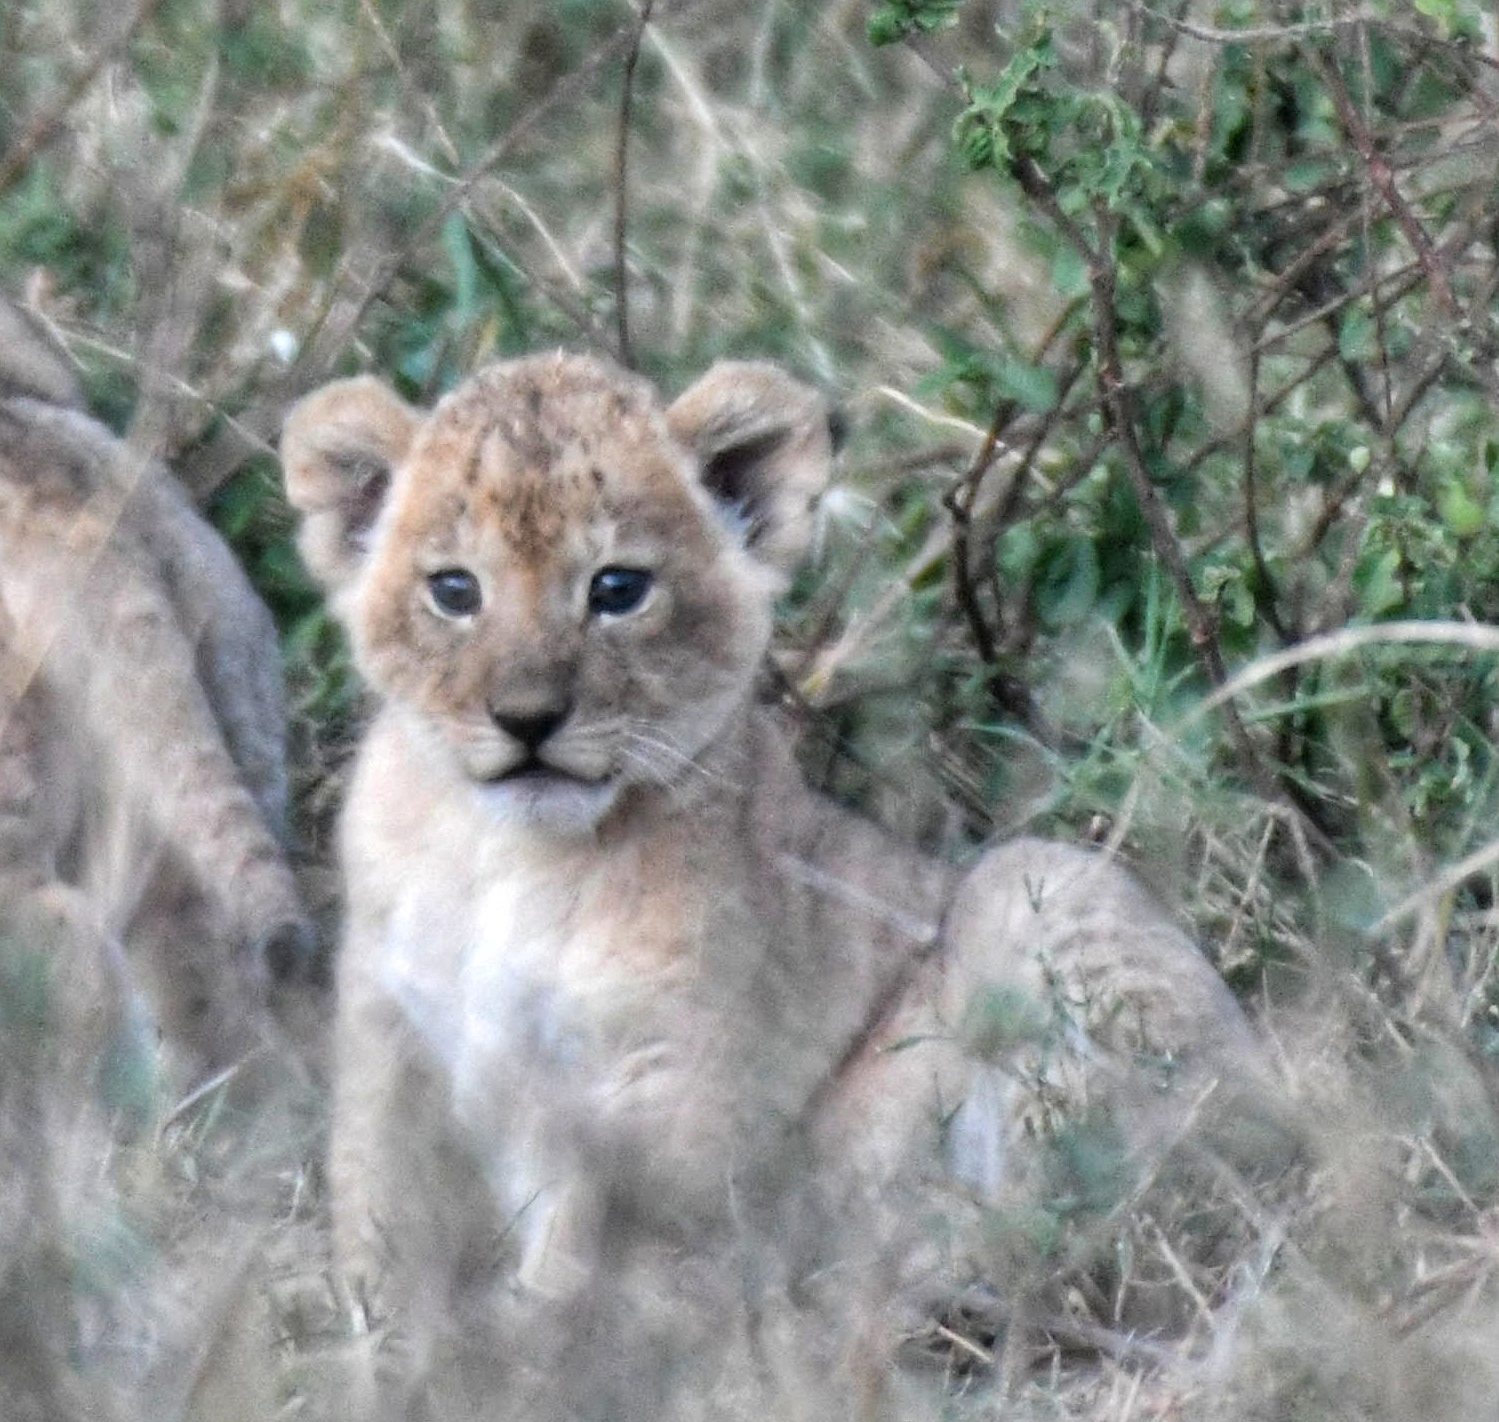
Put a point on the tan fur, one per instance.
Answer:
(646, 1000)
(142, 778)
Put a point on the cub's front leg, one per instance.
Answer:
(403, 1186)
(546, 1194)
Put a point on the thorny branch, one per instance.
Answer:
(1010, 694)
(960, 502)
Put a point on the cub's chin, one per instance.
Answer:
(548, 801)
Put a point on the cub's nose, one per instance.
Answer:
(530, 728)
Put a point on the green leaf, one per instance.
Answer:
(1356, 334)
(1444, 12)
(1224, 584)
(1069, 272)
(1032, 386)
(1377, 581)
(986, 133)
(460, 249)
(1463, 515)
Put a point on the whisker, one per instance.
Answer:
(659, 756)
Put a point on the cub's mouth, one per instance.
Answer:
(535, 793)
(531, 768)
(533, 771)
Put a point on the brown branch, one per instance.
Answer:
(1383, 177)
(1202, 622)
(1395, 286)
(1288, 279)
(1150, 100)
(959, 500)
(621, 189)
(50, 122)
(1012, 495)
(1202, 627)
(959, 503)
(1118, 407)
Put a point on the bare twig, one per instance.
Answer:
(1264, 34)
(1256, 35)
(621, 189)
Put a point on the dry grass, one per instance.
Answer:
(219, 205)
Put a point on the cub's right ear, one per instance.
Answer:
(339, 448)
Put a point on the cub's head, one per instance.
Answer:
(565, 583)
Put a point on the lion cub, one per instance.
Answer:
(612, 973)
(142, 731)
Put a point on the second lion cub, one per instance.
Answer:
(614, 979)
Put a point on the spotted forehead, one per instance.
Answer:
(532, 447)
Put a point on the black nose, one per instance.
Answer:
(530, 728)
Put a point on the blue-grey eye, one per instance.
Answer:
(455, 592)
(616, 591)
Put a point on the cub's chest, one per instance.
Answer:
(567, 960)
(586, 952)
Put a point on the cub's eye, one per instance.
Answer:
(616, 591)
(455, 592)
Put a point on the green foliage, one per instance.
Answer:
(1362, 486)
(895, 20)
(26, 1013)
(1089, 144)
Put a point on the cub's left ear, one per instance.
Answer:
(764, 448)
(339, 448)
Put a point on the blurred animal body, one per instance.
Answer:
(618, 993)
(142, 732)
